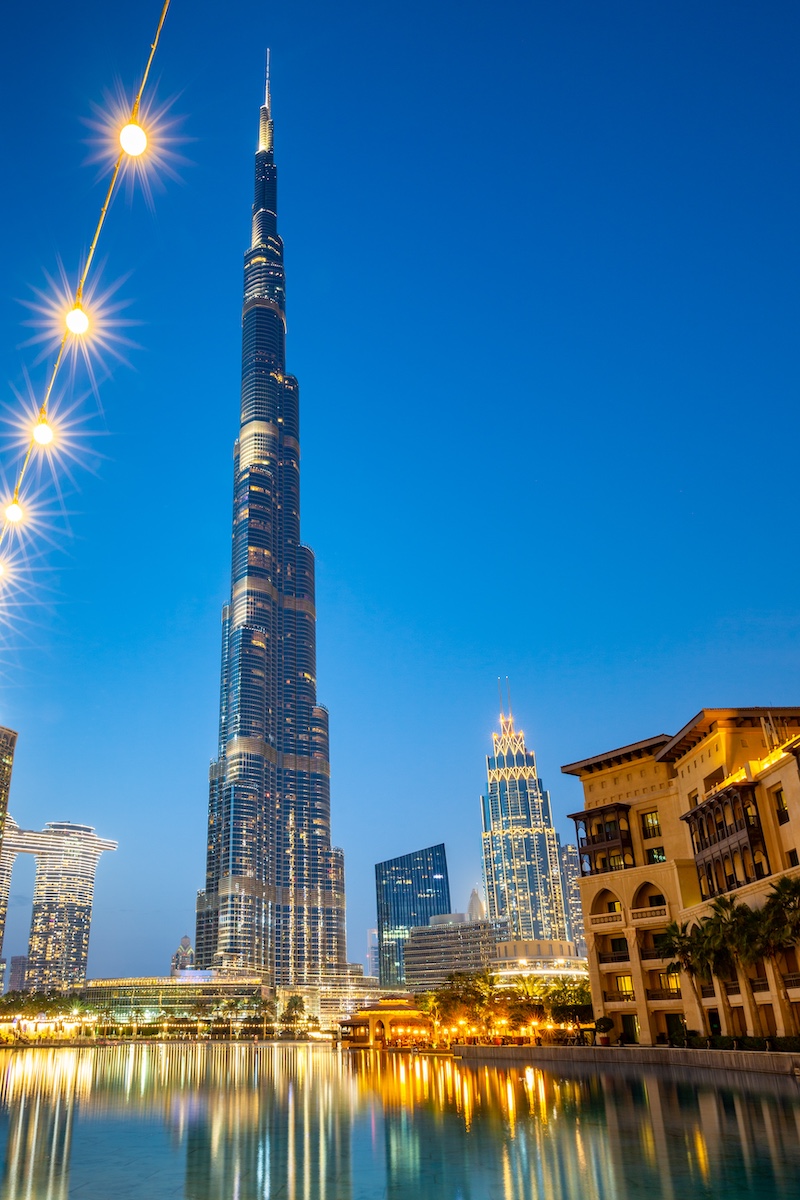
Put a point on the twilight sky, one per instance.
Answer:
(543, 267)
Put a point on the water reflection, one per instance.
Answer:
(216, 1122)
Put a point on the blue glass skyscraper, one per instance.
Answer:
(274, 895)
(521, 851)
(409, 891)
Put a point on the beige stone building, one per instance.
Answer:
(668, 824)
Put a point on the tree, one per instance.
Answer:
(294, 1012)
(731, 937)
(430, 1003)
(689, 948)
(268, 1010)
(570, 1000)
(777, 932)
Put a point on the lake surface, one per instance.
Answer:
(304, 1122)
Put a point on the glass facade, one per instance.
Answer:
(63, 892)
(521, 851)
(571, 872)
(409, 891)
(274, 893)
(8, 741)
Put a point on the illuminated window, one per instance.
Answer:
(651, 826)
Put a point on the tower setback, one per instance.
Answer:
(273, 900)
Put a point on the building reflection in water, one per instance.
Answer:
(308, 1123)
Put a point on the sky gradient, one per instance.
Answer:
(542, 280)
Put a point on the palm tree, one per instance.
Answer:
(200, 1012)
(295, 1011)
(777, 933)
(688, 946)
(731, 933)
(269, 1011)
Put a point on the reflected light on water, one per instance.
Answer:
(307, 1123)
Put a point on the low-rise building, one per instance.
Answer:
(179, 995)
(450, 944)
(392, 1021)
(546, 962)
(668, 824)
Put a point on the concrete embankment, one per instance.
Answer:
(603, 1057)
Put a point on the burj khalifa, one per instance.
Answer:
(274, 895)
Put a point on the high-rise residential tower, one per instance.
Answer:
(409, 891)
(63, 893)
(571, 875)
(8, 741)
(273, 900)
(521, 859)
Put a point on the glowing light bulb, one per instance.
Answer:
(77, 320)
(133, 139)
(43, 433)
(13, 512)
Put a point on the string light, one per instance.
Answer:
(76, 322)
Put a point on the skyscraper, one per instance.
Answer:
(409, 891)
(183, 958)
(274, 894)
(571, 874)
(8, 741)
(63, 894)
(16, 978)
(521, 862)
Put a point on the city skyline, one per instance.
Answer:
(630, 170)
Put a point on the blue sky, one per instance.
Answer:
(543, 306)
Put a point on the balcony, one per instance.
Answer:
(619, 956)
(614, 918)
(655, 953)
(792, 980)
(663, 993)
(732, 987)
(647, 914)
(707, 991)
(759, 985)
(619, 997)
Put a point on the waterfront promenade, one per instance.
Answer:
(605, 1057)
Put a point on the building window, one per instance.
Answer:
(792, 859)
(615, 862)
(651, 826)
(656, 900)
(781, 811)
(619, 945)
(614, 906)
(692, 799)
(624, 984)
(669, 981)
(656, 854)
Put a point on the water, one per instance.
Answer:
(303, 1122)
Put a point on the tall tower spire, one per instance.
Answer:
(274, 895)
(265, 124)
